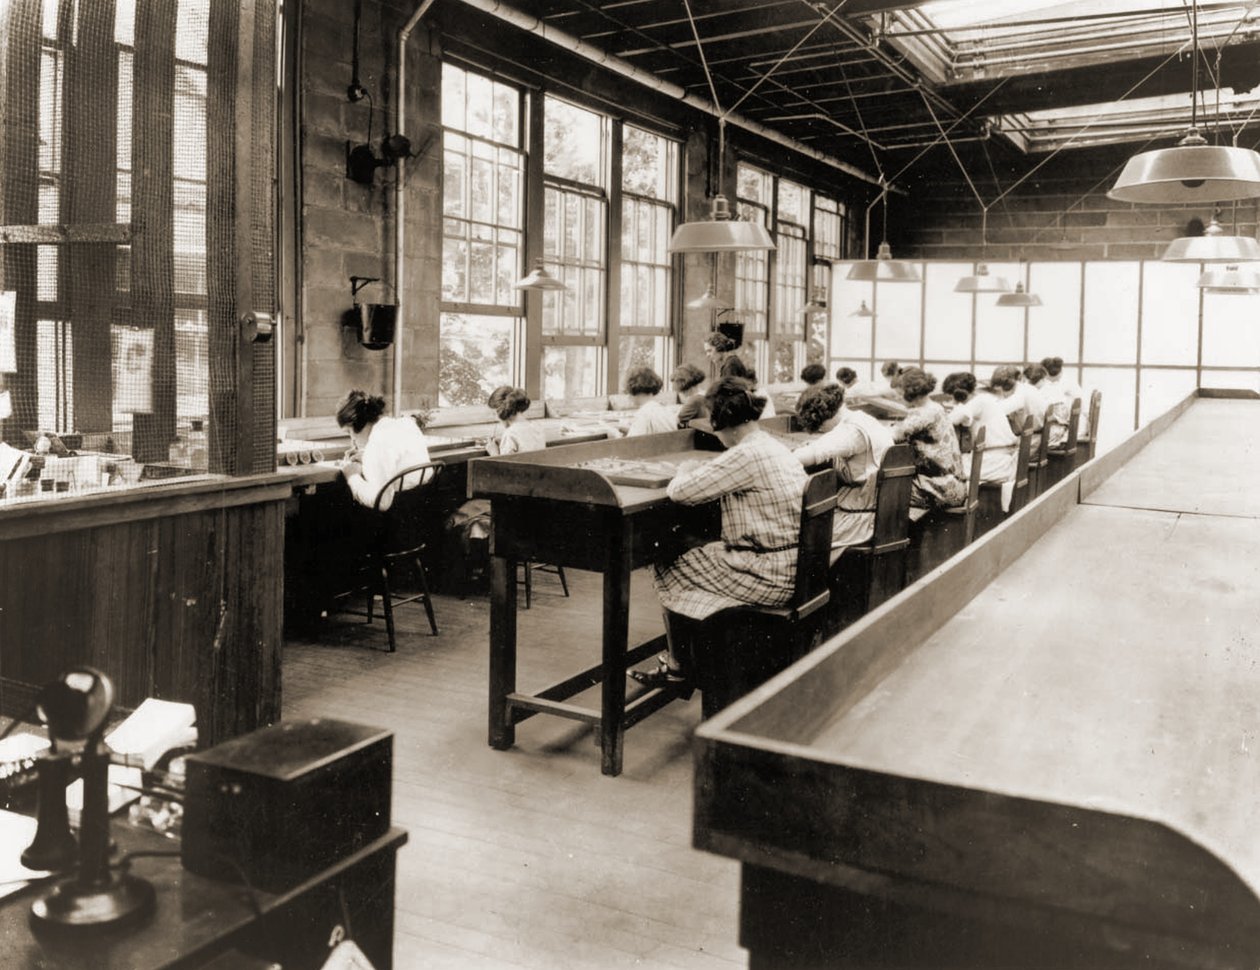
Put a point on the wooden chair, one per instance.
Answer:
(1063, 460)
(530, 567)
(867, 574)
(1040, 461)
(400, 536)
(1086, 443)
(738, 649)
(990, 513)
(937, 536)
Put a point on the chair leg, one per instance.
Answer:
(529, 583)
(564, 585)
(426, 599)
(387, 606)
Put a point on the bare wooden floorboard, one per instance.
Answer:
(528, 857)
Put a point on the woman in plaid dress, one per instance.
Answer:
(759, 484)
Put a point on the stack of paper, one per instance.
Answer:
(16, 833)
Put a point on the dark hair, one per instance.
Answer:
(1053, 365)
(1004, 378)
(735, 367)
(513, 401)
(732, 402)
(720, 342)
(496, 397)
(359, 409)
(685, 377)
(1034, 373)
(890, 369)
(813, 373)
(643, 380)
(818, 405)
(846, 375)
(915, 383)
(959, 385)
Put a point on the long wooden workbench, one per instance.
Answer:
(1036, 760)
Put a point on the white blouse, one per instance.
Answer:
(395, 444)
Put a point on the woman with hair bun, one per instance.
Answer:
(759, 484)
(981, 410)
(734, 366)
(381, 447)
(855, 444)
(938, 480)
(518, 433)
(651, 416)
(687, 382)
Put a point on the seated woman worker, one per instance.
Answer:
(974, 409)
(652, 417)
(734, 366)
(381, 447)
(688, 383)
(854, 443)
(517, 432)
(759, 484)
(938, 479)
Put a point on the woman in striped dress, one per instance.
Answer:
(759, 484)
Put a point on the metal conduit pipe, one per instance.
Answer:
(400, 232)
(533, 25)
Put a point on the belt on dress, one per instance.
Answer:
(733, 547)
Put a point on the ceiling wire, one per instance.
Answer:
(810, 33)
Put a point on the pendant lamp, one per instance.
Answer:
(709, 301)
(1230, 280)
(1193, 171)
(1212, 247)
(884, 269)
(1019, 298)
(721, 232)
(863, 311)
(539, 279)
(816, 304)
(982, 282)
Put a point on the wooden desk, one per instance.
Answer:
(964, 779)
(546, 509)
(198, 920)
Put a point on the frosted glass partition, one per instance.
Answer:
(1000, 329)
(1119, 388)
(1147, 333)
(1054, 328)
(1160, 389)
(899, 322)
(1231, 330)
(850, 335)
(1112, 302)
(1170, 313)
(948, 314)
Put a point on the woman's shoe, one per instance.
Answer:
(664, 676)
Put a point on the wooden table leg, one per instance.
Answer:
(503, 650)
(616, 641)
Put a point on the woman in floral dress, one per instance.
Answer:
(938, 481)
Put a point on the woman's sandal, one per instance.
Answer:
(663, 675)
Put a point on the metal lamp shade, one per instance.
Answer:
(709, 301)
(816, 305)
(1212, 247)
(982, 282)
(1020, 298)
(863, 311)
(1188, 173)
(539, 279)
(1230, 280)
(884, 269)
(720, 233)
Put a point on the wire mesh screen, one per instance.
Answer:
(122, 266)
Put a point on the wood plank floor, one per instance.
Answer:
(529, 857)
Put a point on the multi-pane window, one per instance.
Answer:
(575, 248)
(755, 198)
(482, 235)
(790, 290)
(649, 185)
(828, 246)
